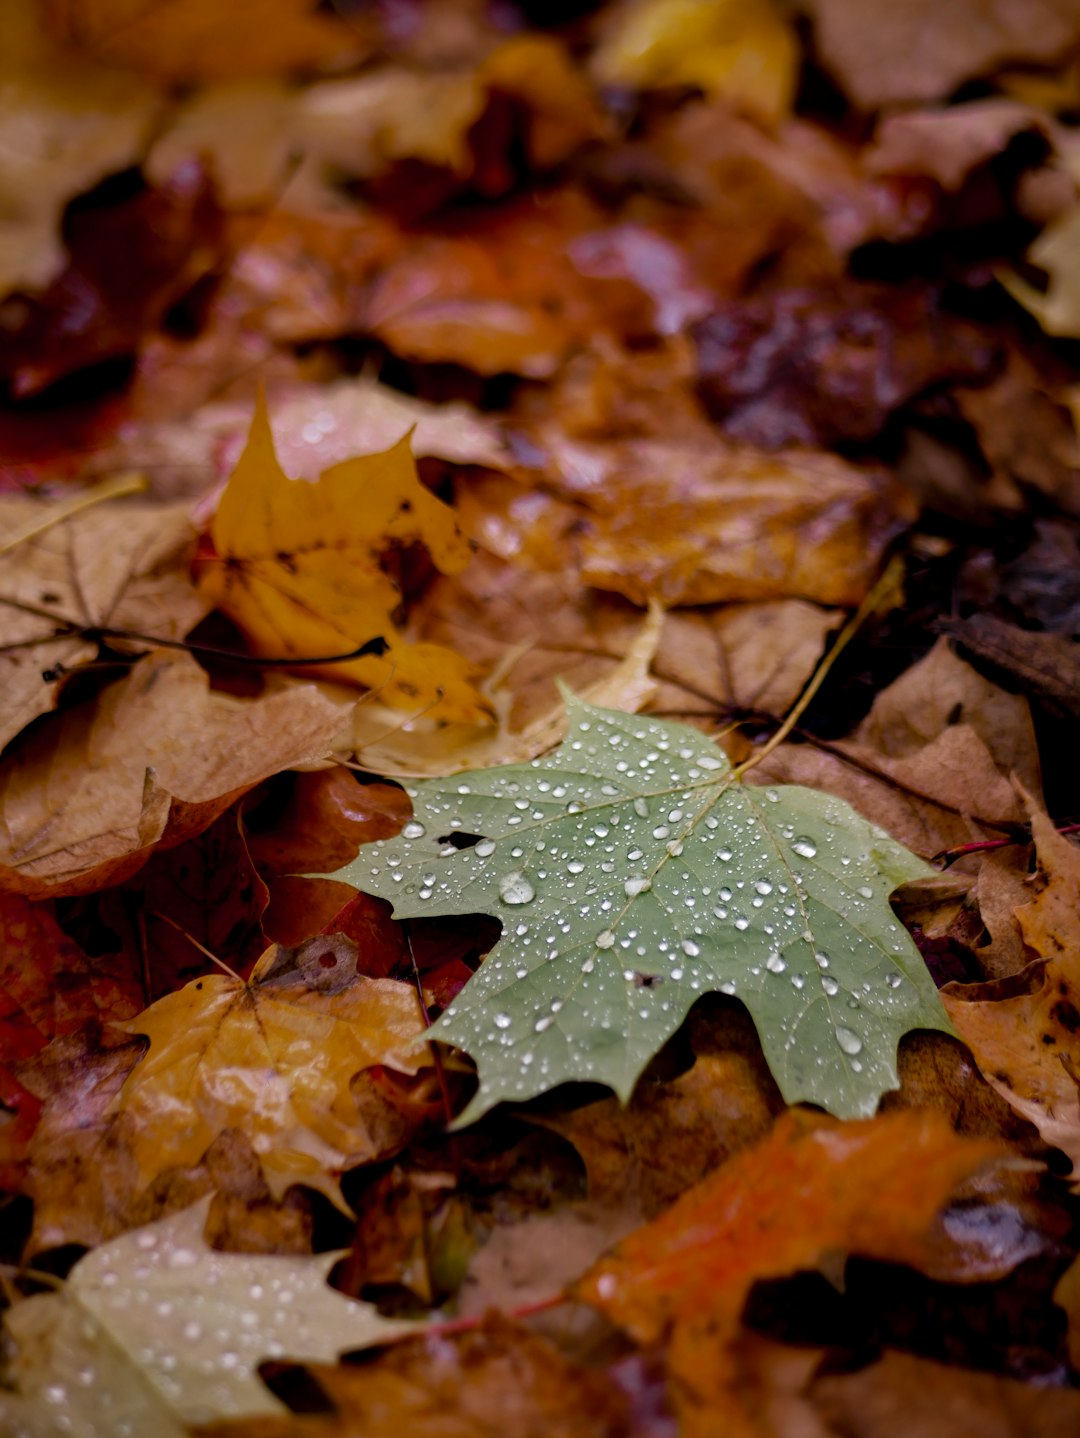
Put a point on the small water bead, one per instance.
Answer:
(797, 981)
(675, 847)
(742, 922)
(515, 888)
(804, 847)
(413, 830)
(661, 831)
(575, 866)
(865, 891)
(775, 964)
(831, 987)
(763, 886)
(503, 1021)
(633, 887)
(724, 855)
(894, 980)
(690, 948)
(849, 1041)
(605, 939)
(821, 959)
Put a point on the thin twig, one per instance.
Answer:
(120, 484)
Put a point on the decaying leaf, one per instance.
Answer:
(87, 796)
(1028, 1046)
(121, 564)
(301, 567)
(274, 1059)
(156, 1331)
(873, 1188)
(632, 873)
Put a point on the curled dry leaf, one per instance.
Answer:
(272, 1058)
(872, 1188)
(931, 762)
(123, 564)
(303, 568)
(153, 761)
(1028, 1046)
(920, 50)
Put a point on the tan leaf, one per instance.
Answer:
(1028, 1046)
(123, 564)
(921, 50)
(155, 759)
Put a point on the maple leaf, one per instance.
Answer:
(122, 565)
(272, 1058)
(300, 567)
(156, 1330)
(1027, 1047)
(86, 796)
(871, 1188)
(633, 873)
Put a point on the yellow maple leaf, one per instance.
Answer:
(742, 50)
(274, 1060)
(303, 569)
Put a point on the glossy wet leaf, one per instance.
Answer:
(274, 1059)
(633, 872)
(157, 1330)
(810, 1192)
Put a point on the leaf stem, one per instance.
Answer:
(120, 484)
(890, 579)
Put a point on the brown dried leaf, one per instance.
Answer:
(919, 50)
(84, 800)
(932, 761)
(123, 564)
(1028, 1046)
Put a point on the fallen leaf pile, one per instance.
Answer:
(539, 860)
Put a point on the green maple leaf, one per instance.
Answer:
(156, 1330)
(633, 872)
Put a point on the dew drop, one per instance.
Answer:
(763, 887)
(742, 922)
(605, 939)
(831, 987)
(723, 855)
(893, 980)
(849, 1041)
(689, 948)
(413, 830)
(633, 887)
(775, 964)
(503, 1021)
(514, 888)
(822, 960)
(804, 847)
(865, 891)
(641, 807)
(485, 848)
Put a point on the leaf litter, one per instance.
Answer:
(645, 302)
